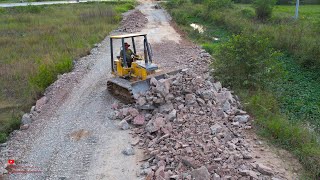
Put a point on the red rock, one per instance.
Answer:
(167, 129)
(155, 124)
(138, 120)
(188, 149)
(42, 101)
(124, 111)
(24, 127)
(150, 176)
(159, 174)
(161, 163)
(264, 169)
(133, 112)
(201, 173)
(188, 161)
(115, 106)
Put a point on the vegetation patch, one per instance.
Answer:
(39, 42)
(272, 63)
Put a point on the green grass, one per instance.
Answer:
(18, 1)
(308, 13)
(39, 42)
(298, 94)
(288, 111)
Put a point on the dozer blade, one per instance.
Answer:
(124, 90)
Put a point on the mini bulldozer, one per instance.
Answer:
(133, 77)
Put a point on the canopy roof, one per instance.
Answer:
(127, 36)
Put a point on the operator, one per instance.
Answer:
(129, 54)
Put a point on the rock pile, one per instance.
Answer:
(191, 128)
(133, 22)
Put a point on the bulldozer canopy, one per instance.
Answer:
(127, 36)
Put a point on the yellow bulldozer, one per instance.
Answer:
(132, 74)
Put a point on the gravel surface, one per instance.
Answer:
(72, 135)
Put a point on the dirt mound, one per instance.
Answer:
(133, 22)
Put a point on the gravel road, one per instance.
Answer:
(73, 137)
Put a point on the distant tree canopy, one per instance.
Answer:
(281, 1)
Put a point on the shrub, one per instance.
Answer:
(247, 61)
(181, 17)
(175, 3)
(209, 47)
(247, 13)
(3, 137)
(263, 8)
(243, 1)
(197, 1)
(217, 4)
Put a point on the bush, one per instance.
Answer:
(243, 1)
(181, 17)
(247, 61)
(264, 8)
(174, 3)
(247, 13)
(209, 47)
(217, 4)
(197, 1)
(3, 137)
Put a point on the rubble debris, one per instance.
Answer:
(193, 131)
(123, 125)
(133, 22)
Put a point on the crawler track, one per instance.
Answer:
(121, 89)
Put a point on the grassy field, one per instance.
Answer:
(18, 1)
(39, 42)
(287, 111)
(308, 13)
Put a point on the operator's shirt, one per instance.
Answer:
(129, 53)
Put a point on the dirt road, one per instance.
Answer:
(73, 136)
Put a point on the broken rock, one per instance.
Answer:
(141, 101)
(190, 98)
(201, 173)
(166, 108)
(26, 119)
(172, 115)
(39, 104)
(217, 86)
(241, 118)
(123, 125)
(133, 112)
(128, 151)
(264, 169)
(215, 129)
(155, 124)
(138, 120)
(160, 173)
